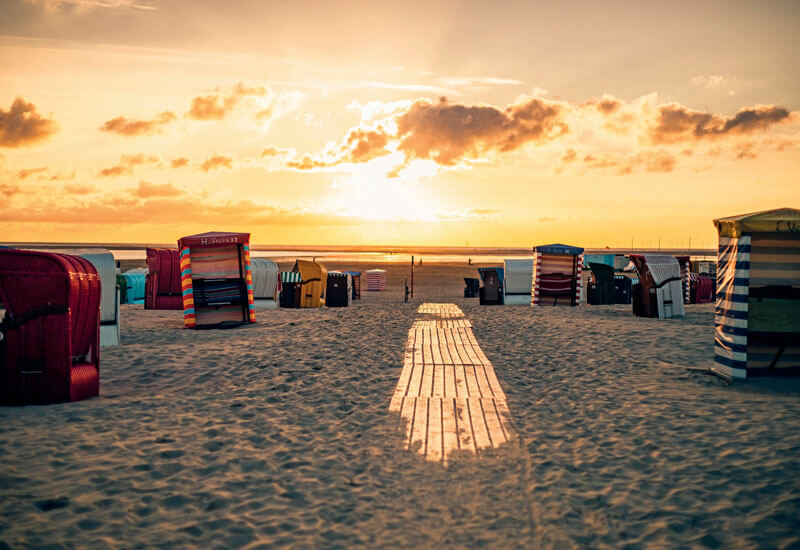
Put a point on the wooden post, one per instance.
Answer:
(412, 276)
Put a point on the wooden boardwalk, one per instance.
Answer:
(448, 392)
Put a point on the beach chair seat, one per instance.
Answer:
(557, 285)
(50, 333)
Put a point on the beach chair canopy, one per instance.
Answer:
(356, 277)
(757, 324)
(51, 328)
(607, 259)
(557, 274)
(660, 286)
(216, 280)
(265, 278)
(376, 280)
(482, 271)
(517, 281)
(338, 292)
(163, 281)
(103, 261)
(602, 291)
(314, 281)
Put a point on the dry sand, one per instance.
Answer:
(279, 434)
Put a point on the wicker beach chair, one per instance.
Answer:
(50, 333)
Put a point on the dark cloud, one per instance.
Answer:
(217, 161)
(114, 171)
(447, 133)
(217, 105)
(21, 125)
(179, 162)
(147, 189)
(676, 123)
(132, 127)
(608, 105)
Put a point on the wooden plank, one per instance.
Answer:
(449, 429)
(466, 338)
(427, 354)
(479, 428)
(477, 349)
(483, 383)
(419, 430)
(458, 345)
(466, 439)
(455, 359)
(426, 387)
(438, 380)
(407, 414)
(415, 382)
(462, 391)
(505, 418)
(496, 432)
(443, 349)
(436, 352)
(497, 390)
(405, 375)
(433, 450)
(473, 390)
(449, 380)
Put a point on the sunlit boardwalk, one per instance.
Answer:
(448, 392)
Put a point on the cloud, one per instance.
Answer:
(21, 125)
(217, 105)
(133, 127)
(647, 161)
(78, 189)
(360, 145)
(9, 189)
(217, 161)
(86, 5)
(147, 189)
(676, 123)
(448, 133)
(179, 162)
(272, 151)
(126, 164)
(710, 81)
(25, 174)
(114, 171)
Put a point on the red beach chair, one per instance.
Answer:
(163, 282)
(51, 329)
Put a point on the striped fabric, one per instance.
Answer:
(189, 317)
(775, 260)
(291, 277)
(376, 280)
(555, 274)
(730, 317)
(248, 279)
(214, 262)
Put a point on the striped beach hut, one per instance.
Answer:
(757, 317)
(376, 279)
(557, 274)
(216, 280)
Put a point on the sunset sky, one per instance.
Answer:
(397, 123)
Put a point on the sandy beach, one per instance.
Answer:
(279, 434)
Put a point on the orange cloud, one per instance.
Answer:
(448, 133)
(147, 189)
(21, 125)
(217, 161)
(217, 105)
(126, 164)
(25, 174)
(179, 162)
(133, 127)
(77, 189)
(9, 189)
(676, 123)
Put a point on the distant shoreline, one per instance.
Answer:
(375, 249)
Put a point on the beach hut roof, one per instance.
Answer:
(213, 238)
(558, 249)
(780, 220)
